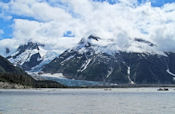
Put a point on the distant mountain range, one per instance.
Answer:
(97, 59)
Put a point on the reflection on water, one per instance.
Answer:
(87, 101)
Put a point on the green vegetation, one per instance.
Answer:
(12, 74)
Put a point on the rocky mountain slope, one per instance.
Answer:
(9, 73)
(97, 59)
(15, 75)
(31, 56)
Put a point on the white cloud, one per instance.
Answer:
(8, 43)
(49, 33)
(121, 22)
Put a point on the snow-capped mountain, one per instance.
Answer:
(136, 61)
(96, 59)
(31, 56)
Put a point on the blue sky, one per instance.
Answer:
(6, 25)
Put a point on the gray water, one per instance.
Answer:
(87, 101)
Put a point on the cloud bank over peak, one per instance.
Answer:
(47, 22)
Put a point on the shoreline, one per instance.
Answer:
(125, 86)
(7, 85)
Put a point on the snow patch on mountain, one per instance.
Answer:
(47, 57)
(84, 66)
(129, 73)
(30, 53)
(56, 75)
(23, 57)
(109, 72)
(168, 71)
(42, 51)
(67, 59)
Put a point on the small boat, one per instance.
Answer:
(163, 89)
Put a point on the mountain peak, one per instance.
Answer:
(144, 41)
(94, 37)
(25, 54)
(7, 50)
(29, 46)
(88, 42)
(31, 56)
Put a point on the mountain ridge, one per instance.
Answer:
(88, 61)
(99, 59)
